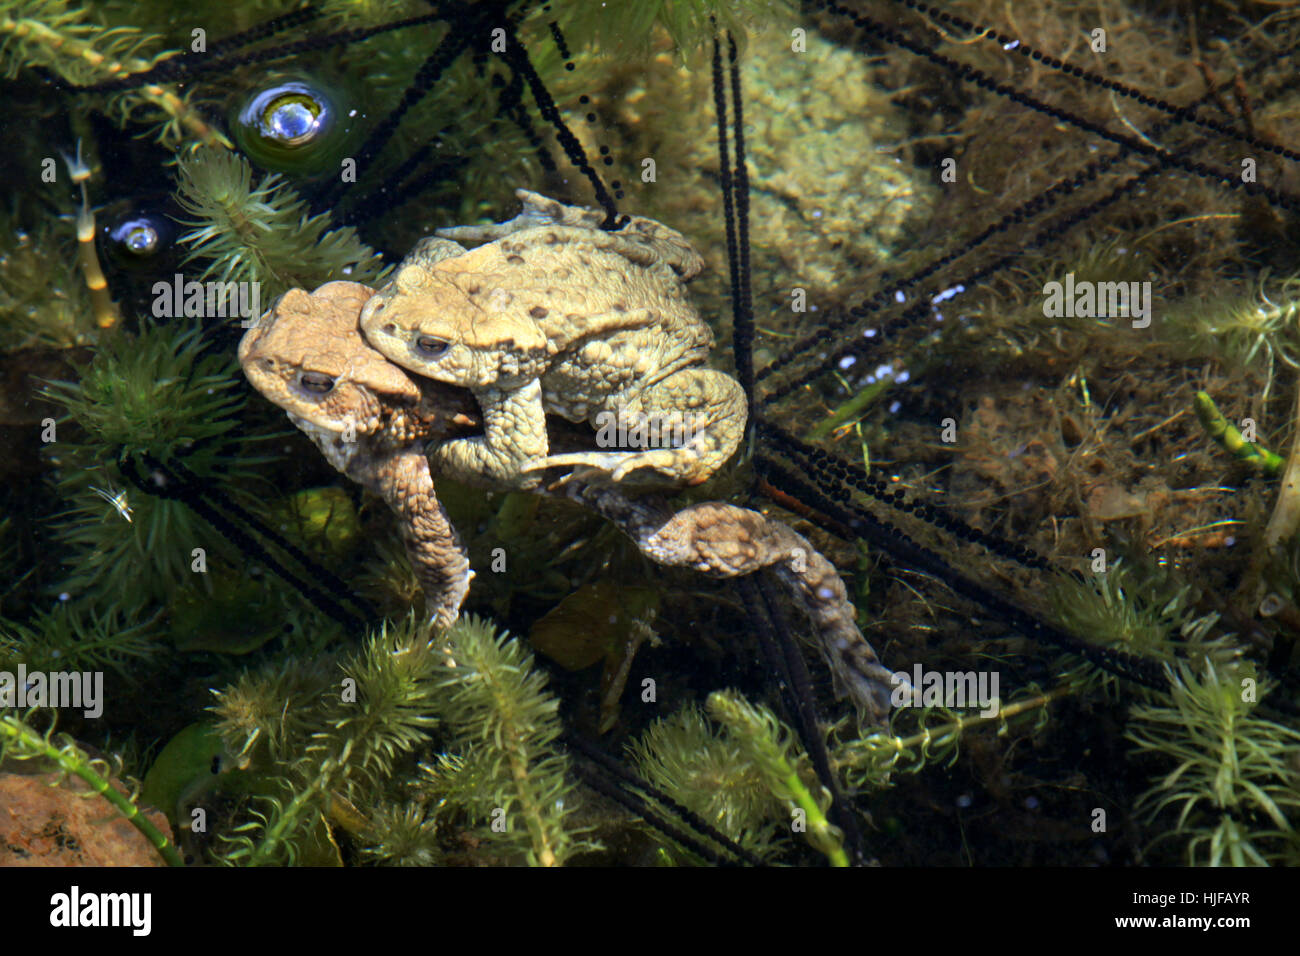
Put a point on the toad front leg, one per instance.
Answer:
(438, 558)
(683, 428)
(514, 426)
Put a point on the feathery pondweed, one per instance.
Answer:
(1235, 787)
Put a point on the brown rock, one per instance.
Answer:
(60, 825)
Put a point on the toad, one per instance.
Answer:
(369, 418)
(388, 409)
(554, 314)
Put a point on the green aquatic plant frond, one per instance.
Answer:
(495, 700)
(267, 716)
(264, 233)
(706, 770)
(317, 729)
(162, 392)
(1263, 324)
(1143, 612)
(403, 835)
(343, 730)
(770, 746)
(456, 781)
(58, 36)
(320, 728)
(1232, 440)
(356, 13)
(275, 837)
(76, 639)
(123, 564)
(382, 704)
(1235, 785)
(920, 737)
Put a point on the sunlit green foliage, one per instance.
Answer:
(320, 731)
(705, 769)
(1235, 787)
(264, 232)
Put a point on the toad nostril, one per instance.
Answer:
(390, 329)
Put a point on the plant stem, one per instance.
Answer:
(1230, 438)
(71, 760)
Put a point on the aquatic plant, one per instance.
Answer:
(266, 715)
(76, 638)
(769, 746)
(317, 735)
(1235, 786)
(495, 701)
(709, 773)
(924, 737)
(1145, 612)
(1263, 327)
(163, 393)
(160, 396)
(1231, 439)
(344, 734)
(60, 37)
(264, 233)
(1115, 188)
(43, 301)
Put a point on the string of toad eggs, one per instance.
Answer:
(584, 100)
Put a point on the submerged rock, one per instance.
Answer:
(44, 823)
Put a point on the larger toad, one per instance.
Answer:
(554, 314)
(309, 358)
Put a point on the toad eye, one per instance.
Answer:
(316, 382)
(429, 347)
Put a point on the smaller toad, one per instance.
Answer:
(369, 418)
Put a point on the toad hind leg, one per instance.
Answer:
(514, 436)
(725, 541)
(639, 239)
(693, 420)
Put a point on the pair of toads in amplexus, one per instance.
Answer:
(451, 368)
